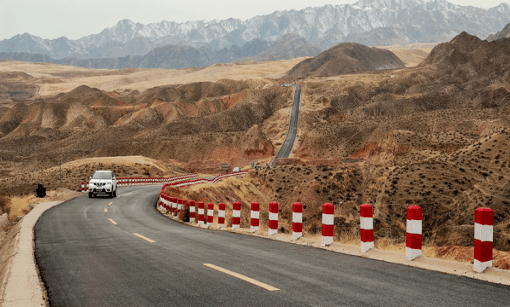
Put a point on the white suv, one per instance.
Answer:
(103, 182)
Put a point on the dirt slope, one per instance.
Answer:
(346, 58)
(436, 135)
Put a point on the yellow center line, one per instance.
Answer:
(113, 222)
(242, 277)
(105, 210)
(110, 203)
(144, 237)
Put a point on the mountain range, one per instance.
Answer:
(183, 56)
(369, 22)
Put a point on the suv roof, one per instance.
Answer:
(103, 174)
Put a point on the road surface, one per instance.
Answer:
(87, 260)
(292, 132)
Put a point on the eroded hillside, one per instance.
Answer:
(435, 135)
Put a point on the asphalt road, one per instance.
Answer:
(291, 134)
(86, 260)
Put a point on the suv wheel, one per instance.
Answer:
(115, 193)
(90, 195)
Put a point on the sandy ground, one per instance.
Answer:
(413, 54)
(493, 275)
(54, 79)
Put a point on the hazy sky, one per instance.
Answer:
(78, 18)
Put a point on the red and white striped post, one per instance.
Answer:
(200, 213)
(83, 187)
(254, 221)
(179, 206)
(484, 224)
(221, 215)
(236, 215)
(366, 227)
(163, 202)
(192, 211)
(414, 232)
(328, 227)
(273, 219)
(297, 221)
(210, 214)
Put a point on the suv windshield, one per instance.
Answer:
(102, 175)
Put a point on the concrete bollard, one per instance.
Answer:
(200, 213)
(414, 232)
(484, 224)
(83, 187)
(210, 214)
(328, 227)
(297, 221)
(221, 215)
(366, 227)
(273, 219)
(236, 215)
(254, 221)
(192, 211)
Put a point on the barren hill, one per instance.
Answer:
(346, 58)
(505, 33)
(288, 46)
(436, 135)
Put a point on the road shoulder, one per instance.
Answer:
(22, 285)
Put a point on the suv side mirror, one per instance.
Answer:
(90, 177)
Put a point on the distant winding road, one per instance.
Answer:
(123, 252)
(288, 144)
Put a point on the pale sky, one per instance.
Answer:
(77, 18)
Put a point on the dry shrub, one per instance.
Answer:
(501, 260)
(389, 245)
(4, 204)
(20, 206)
(184, 214)
(457, 253)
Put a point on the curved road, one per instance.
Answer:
(291, 133)
(86, 260)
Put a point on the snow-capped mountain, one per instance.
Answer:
(370, 22)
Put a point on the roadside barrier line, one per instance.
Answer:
(113, 222)
(242, 277)
(144, 238)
